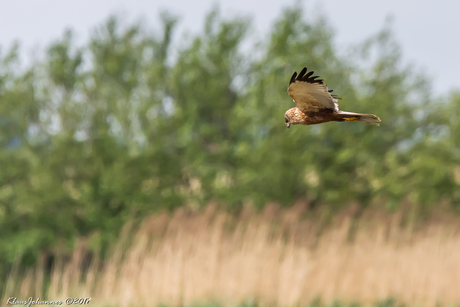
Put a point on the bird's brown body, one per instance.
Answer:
(315, 104)
(297, 117)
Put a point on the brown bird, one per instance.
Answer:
(316, 105)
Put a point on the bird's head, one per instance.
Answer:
(287, 121)
(289, 116)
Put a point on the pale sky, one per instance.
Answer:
(428, 30)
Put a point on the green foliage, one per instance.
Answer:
(125, 126)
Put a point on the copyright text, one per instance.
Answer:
(31, 301)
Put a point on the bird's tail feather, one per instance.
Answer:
(369, 119)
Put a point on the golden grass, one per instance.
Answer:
(274, 257)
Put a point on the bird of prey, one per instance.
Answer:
(316, 105)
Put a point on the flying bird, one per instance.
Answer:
(316, 105)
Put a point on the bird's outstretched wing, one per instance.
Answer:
(310, 94)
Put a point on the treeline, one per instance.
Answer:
(129, 124)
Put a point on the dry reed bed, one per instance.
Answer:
(273, 257)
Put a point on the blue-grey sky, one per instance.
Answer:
(428, 30)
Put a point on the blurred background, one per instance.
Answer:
(144, 158)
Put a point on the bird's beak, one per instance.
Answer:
(288, 125)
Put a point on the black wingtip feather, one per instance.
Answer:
(305, 77)
(302, 73)
(293, 78)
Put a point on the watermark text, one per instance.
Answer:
(37, 301)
